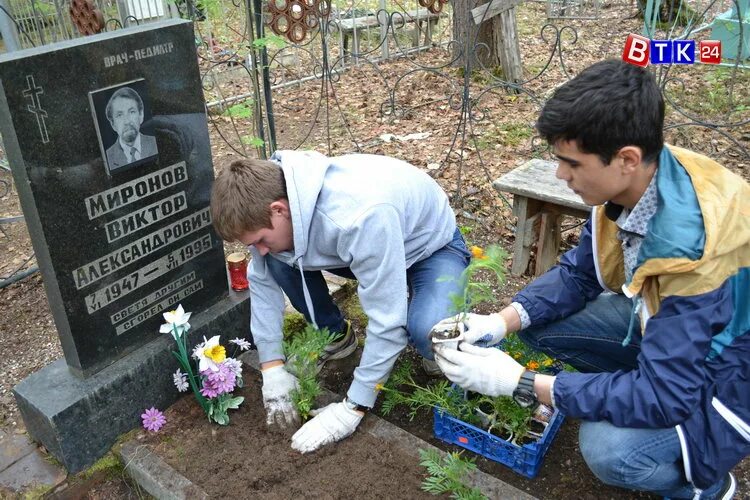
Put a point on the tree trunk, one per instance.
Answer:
(668, 12)
(493, 43)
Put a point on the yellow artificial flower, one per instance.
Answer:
(209, 354)
(547, 362)
(217, 353)
(516, 355)
(532, 365)
(378, 387)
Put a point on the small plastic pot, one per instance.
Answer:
(448, 338)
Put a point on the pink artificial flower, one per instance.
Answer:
(153, 419)
(218, 382)
(209, 390)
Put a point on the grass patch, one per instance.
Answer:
(36, 492)
(708, 92)
(294, 323)
(349, 303)
(109, 466)
(509, 134)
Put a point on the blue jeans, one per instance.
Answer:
(429, 299)
(638, 459)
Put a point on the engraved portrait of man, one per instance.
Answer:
(125, 114)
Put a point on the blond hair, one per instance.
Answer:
(241, 196)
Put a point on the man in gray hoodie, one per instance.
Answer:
(376, 219)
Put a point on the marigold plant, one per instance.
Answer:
(476, 280)
(303, 350)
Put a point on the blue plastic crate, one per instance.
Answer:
(525, 460)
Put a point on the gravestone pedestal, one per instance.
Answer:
(78, 420)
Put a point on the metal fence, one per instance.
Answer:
(33, 23)
(393, 77)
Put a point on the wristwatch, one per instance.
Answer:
(355, 406)
(524, 394)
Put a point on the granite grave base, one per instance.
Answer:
(78, 420)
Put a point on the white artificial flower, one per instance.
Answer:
(243, 344)
(209, 354)
(176, 322)
(180, 381)
(235, 365)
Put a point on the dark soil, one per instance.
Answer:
(246, 460)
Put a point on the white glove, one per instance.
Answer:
(333, 423)
(488, 329)
(486, 370)
(278, 385)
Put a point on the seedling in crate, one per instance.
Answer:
(474, 291)
(506, 419)
(303, 351)
(447, 475)
(501, 415)
(401, 389)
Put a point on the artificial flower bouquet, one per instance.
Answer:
(217, 375)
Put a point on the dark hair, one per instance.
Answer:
(609, 105)
(125, 93)
(241, 195)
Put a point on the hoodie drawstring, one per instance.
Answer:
(637, 303)
(306, 293)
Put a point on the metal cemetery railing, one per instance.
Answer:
(417, 80)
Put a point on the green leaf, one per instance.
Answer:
(235, 403)
(241, 110)
(221, 418)
(303, 351)
(270, 41)
(252, 141)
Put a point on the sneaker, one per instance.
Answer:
(431, 368)
(730, 486)
(341, 348)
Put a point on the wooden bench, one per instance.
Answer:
(539, 201)
(419, 17)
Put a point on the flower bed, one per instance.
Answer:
(246, 459)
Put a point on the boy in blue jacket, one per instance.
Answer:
(652, 307)
(373, 218)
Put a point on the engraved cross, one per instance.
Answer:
(33, 92)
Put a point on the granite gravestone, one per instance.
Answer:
(108, 142)
(119, 237)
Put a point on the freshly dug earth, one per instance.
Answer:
(246, 460)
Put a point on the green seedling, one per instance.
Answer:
(447, 475)
(402, 390)
(303, 352)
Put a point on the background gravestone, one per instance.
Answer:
(121, 236)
